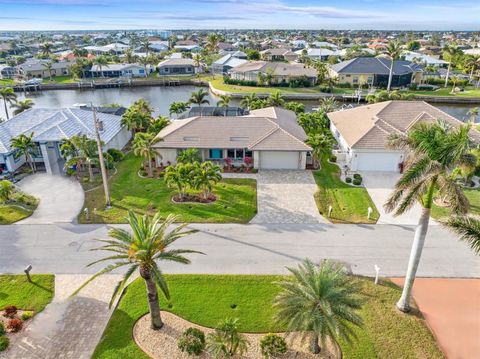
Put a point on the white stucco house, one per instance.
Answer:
(52, 126)
(362, 132)
(270, 136)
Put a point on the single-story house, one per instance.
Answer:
(280, 54)
(117, 70)
(375, 71)
(175, 66)
(226, 63)
(52, 126)
(7, 72)
(362, 132)
(270, 136)
(321, 54)
(187, 48)
(282, 72)
(37, 69)
(424, 59)
(116, 48)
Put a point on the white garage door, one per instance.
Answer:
(372, 161)
(279, 160)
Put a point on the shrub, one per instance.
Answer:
(272, 345)
(10, 311)
(357, 176)
(3, 343)
(333, 158)
(412, 86)
(227, 340)
(348, 179)
(117, 155)
(254, 170)
(26, 315)
(2, 329)
(357, 182)
(192, 341)
(15, 325)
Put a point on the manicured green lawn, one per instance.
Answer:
(16, 290)
(473, 196)
(6, 82)
(220, 85)
(469, 92)
(59, 80)
(236, 199)
(349, 203)
(207, 299)
(19, 207)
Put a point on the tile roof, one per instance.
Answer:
(368, 126)
(278, 68)
(374, 65)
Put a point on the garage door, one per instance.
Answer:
(279, 160)
(372, 161)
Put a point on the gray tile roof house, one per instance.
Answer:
(177, 66)
(36, 68)
(271, 136)
(226, 63)
(377, 69)
(362, 132)
(50, 127)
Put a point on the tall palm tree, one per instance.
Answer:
(130, 57)
(468, 228)
(322, 302)
(247, 101)
(212, 42)
(224, 102)
(393, 51)
(25, 146)
(46, 49)
(145, 43)
(471, 64)
(143, 146)
(433, 151)
(144, 61)
(178, 107)
(101, 62)
(276, 99)
(450, 54)
(48, 66)
(198, 98)
(22, 105)
(143, 247)
(9, 97)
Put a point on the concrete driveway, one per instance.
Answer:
(61, 198)
(286, 197)
(380, 186)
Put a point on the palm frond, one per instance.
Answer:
(468, 228)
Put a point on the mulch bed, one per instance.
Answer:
(194, 198)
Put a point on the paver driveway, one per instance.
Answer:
(286, 197)
(61, 198)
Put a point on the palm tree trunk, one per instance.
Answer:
(448, 73)
(154, 307)
(34, 166)
(390, 75)
(6, 109)
(90, 172)
(314, 346)
(150, 172)
(418, 242)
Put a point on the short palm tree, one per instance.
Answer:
(276, 99)
(328, 104)
(178, 107)
(226, 340)
(22, 105)
(224, 102)
(248, 101)
(393, 51)
(144, 61)
(433, 150)
(25, 146)
(468, 228)
(6, 190)
(9, 97)
(206, 176)
(101, 62)
(320, 302)
(198, 98)
(143, 247)
(143, 146)
(130, 57)
(321, 146)
(86, 153)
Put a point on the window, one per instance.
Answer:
(355, 80)
(165, 69)
(248, 153)
(189, 69)
(239, 153)
(231, 153)
(215, 153)
(236, 153)
(370, 79)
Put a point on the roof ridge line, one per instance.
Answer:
(275, 128)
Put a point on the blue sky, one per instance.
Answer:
(208, 14)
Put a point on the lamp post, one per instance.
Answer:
(100, 157)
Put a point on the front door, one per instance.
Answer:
(215, 154)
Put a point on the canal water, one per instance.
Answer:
(159, 97)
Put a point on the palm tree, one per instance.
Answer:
(450, 54)
(138, 116)
(198, 98)
(226, 340)
(142, 248)
(471, 64)
(224, 102)
(101, 61)
(393, 51)
(178, 108)
(145, 61)
(321, 145)
(319, 301)
(433, 150)
(22, 105)
(247, 101)
(86, 153)
(212, 42)
(46, 49)
(468, 228)
(6, 190)
(472, 114)
(276, 99)
(9, 97)
(143, 146)
(25, 146)
(48, 66)
(206, 176)
(328, 104)
(130, 57)
(146, 46)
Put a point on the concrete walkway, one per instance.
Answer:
(451, 308)
(61, 198)
(68, 328)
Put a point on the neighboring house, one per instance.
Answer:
(321, 54)
(187, 48)
(375, 71)
(362, 132)
(226, 63)
(117, 70)
(271, 136)
(159, 46)
(424, 59)
(116, 48)
(7, 72)
(319, 44)
(282, 72)
(280, 54)
(52, 126)
(175, 66)
(37, 69)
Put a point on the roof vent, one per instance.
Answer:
(100, 126)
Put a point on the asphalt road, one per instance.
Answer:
(255, 249)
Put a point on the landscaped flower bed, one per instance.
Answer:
(194, 198)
